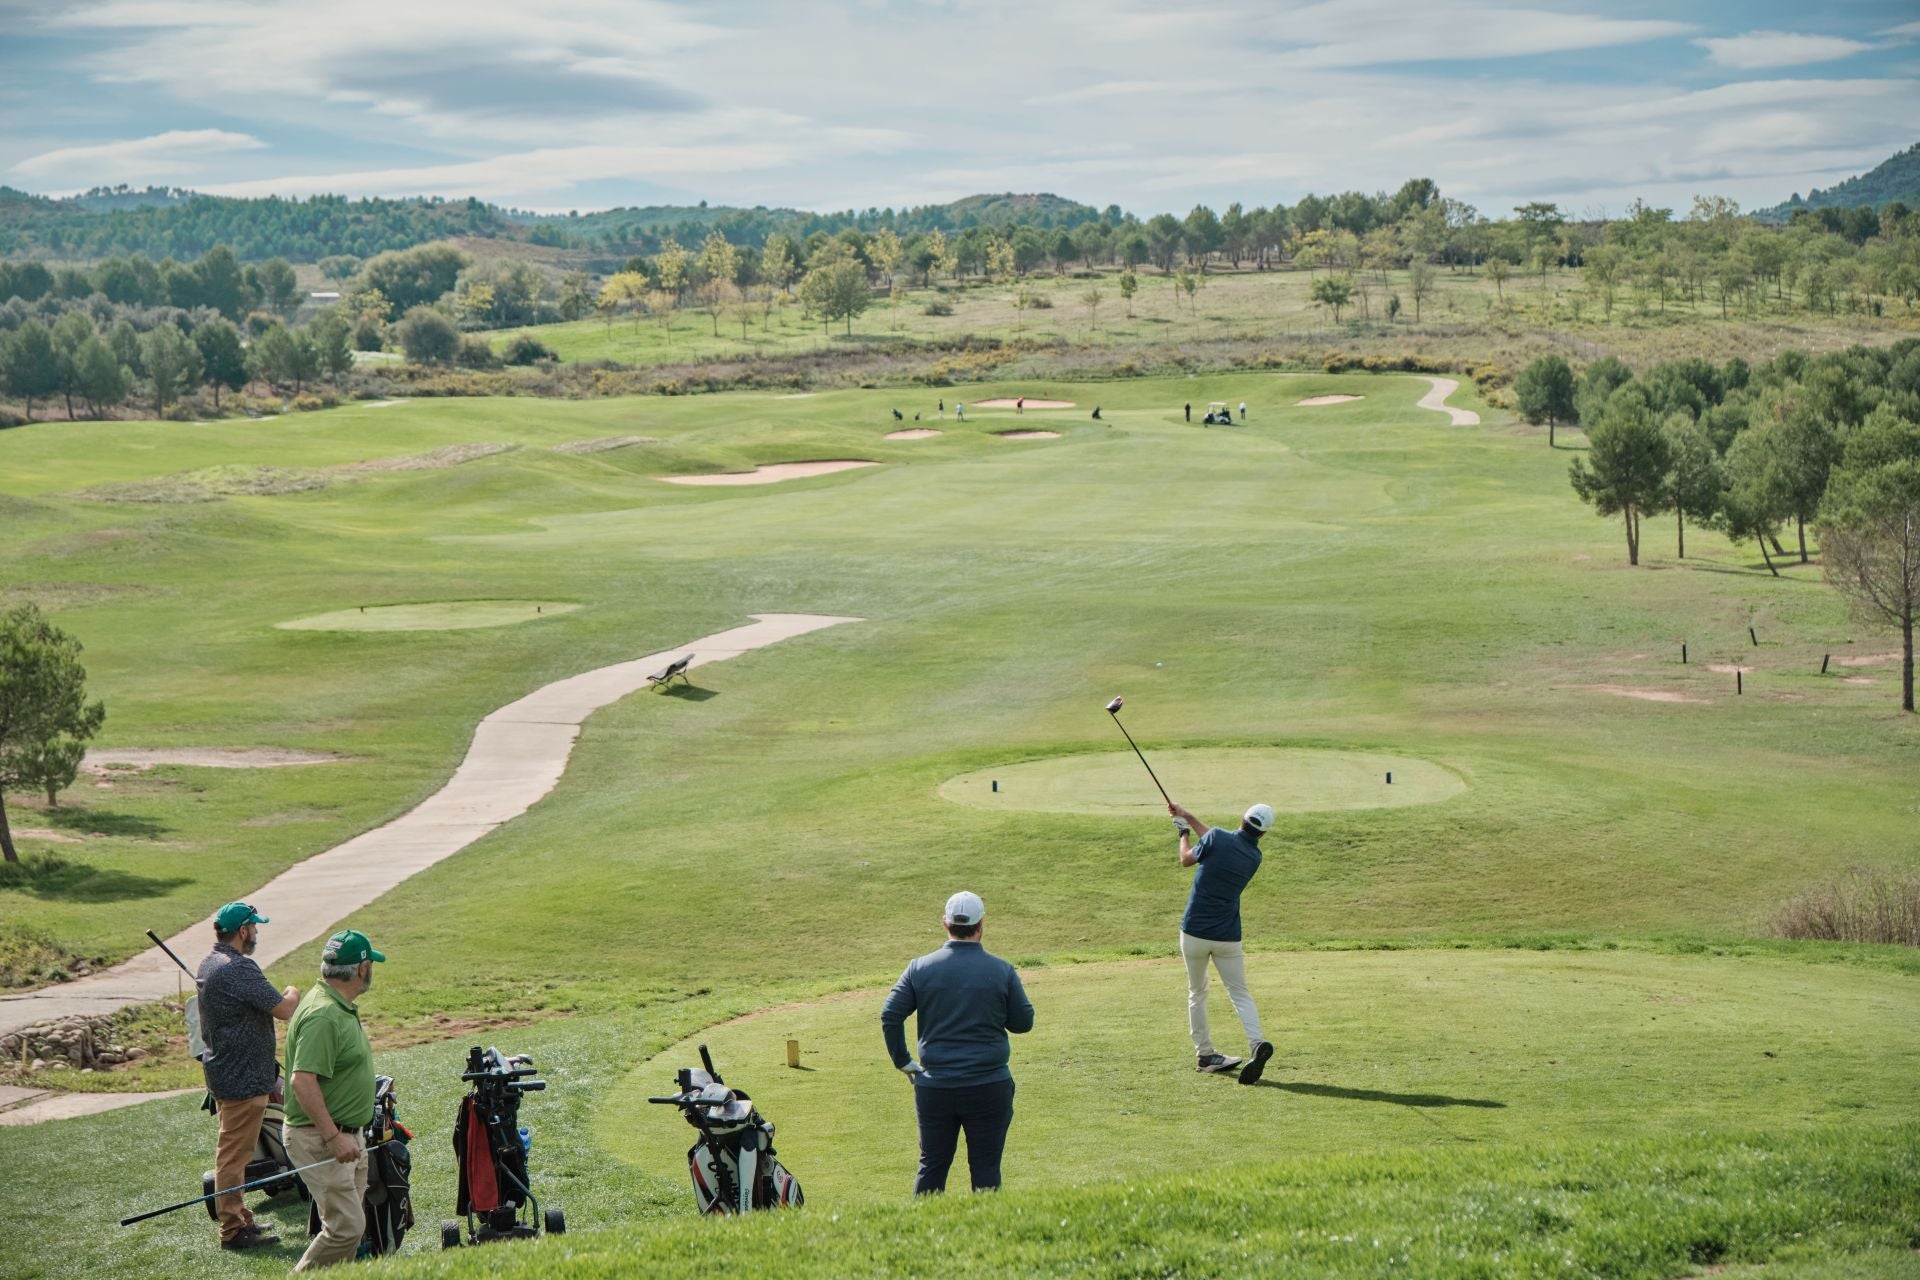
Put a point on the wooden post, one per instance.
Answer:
(793, 1053)
(1825, 658)
(1739, 681)
(1753, 637)
(1683, 653)
(1389, 777)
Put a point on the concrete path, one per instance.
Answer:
(517, 756)
(66, 1106)
(1436, 400)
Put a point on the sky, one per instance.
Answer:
(837, 104)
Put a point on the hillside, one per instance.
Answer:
(1895, 178)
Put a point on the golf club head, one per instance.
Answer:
(1113, 708)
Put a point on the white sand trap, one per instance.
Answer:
(205, 757)
(1310, 401)
(1645, 695)
(382, 404)
(912, 433)
(1728, 668)
(432, 615)
(799, 395)
(1028, 435)
(1870, 659)
(772, 473)
(1004, 403)
(1858, 680)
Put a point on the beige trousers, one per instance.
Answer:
(340, 1192)
(1227, 958)
(239, 1135)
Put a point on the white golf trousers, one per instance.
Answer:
(1227, 958)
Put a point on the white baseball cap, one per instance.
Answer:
(1260, 818)
(965, 908)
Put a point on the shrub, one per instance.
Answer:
(308, 402)
(427, 336)
(475, 352)
(524, 348)
(938, 307)
(1040, 302)
(1861, 904)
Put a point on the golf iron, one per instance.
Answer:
(1113, 709)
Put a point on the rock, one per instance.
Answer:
(136, 1053)
(39, 1064)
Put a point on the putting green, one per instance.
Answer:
(439, 615)
(1215, 782)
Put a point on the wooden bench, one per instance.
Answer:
(678, 667)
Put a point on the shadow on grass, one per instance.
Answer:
(691, 693)
(56, 878)
(1376, 1095)
(103, 822)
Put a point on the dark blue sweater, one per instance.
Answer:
(967, 1001)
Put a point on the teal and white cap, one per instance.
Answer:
(965, 908)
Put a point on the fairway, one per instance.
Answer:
(1375, 1051)
(449, 615)
(1217, 783)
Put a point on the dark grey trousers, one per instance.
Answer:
(983, 1112)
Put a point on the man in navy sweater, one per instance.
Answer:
(967, 1001)
(1210, 930)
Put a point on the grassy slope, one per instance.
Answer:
(1467, 315)
(1360, 576)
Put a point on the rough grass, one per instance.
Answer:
(31, 957)
(1862, 904)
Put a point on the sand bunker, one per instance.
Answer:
(1728, 668)
(1858, 680)
(1004, 403)
(1213, 781)
(1028, 435)
(604, 444)
(1310, 401)
(434, 615)
(1645, 695)
(912, 433)
(1869, 659)
(204, 757)
(771, 473)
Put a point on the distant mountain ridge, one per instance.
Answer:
(1895, 178)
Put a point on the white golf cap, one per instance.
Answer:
(1260, 817)
(965, 908)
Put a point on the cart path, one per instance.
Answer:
(1436, 400)
(516, 757)
(50, 1105)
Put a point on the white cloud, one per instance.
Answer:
(1758, 50)
(1361, 33)
(162, 157)
(1904, 29)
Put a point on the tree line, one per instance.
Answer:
(1830, 442)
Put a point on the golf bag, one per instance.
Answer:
(389, 1199)
(269, 1152)
(733, 1164)
(491, 1146)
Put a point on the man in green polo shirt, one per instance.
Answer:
(332, 1097)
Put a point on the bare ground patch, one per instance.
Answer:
(604, 444)
(210, 484)
(1315, 401)
(204, 757)
(1869, 659)
(1645, 695)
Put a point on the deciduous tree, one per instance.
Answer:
(1870, 530)
(43, 708)
(1332, 291)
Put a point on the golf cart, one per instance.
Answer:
(1219, 414)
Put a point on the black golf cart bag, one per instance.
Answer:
(490, 1146)
(389, 1198)
(269, 1152)
(733, 1164)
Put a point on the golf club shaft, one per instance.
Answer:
(176, 959)
(229, 1191)
(1143, 760)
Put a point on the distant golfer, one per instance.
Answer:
(237, 1006)
(1210, 930)
(1243, 411)
(1189, 411)
(1020, 405)
(332, 1096)
(967, 1002)
(943, 406)
(959, 411)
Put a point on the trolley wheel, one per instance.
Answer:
(208, 1185)
(556, 1222)
(450, 1234)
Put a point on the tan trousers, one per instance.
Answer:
(239, 1135)
(1227, 958)
(340, 1192)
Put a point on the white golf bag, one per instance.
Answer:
(733, 1164)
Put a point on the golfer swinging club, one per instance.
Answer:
(1210, 929)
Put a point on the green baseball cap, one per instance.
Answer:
(229, 918)
(349, 946)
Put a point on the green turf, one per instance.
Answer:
(442, 615)
(1356, 581)
(1216, 783)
